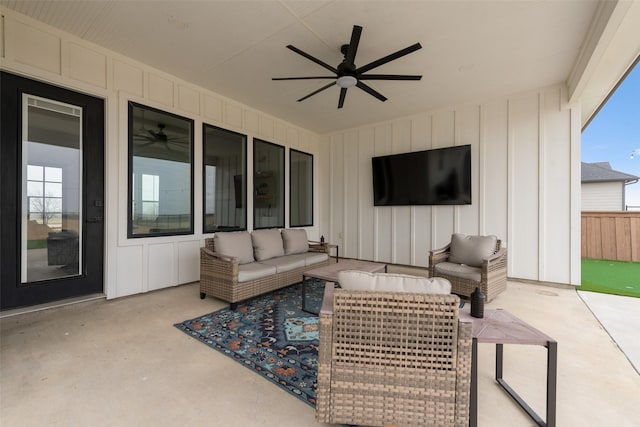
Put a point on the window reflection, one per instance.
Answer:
(225, 180)
(52, 178)
(300, 189)
(161, 171)
(268, 185)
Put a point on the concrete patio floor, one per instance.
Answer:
(122, 363)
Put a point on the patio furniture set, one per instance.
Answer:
(394, 349)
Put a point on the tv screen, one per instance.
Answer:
(432, 177)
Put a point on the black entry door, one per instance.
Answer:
(51, 193)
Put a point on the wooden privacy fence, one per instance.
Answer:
(611, 235)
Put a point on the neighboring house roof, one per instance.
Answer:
(602, 172)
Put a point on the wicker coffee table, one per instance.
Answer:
(329, 273)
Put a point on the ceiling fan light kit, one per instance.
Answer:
(347, 75)
(346, 81)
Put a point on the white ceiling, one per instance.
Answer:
(471, 50)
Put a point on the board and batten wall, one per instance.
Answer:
(35, 50)
(525, 185)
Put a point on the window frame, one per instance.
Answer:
(130, 133)
(281, 183)
(291, 178)
(204, 178)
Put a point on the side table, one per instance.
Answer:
(501, 327)
(330, 246)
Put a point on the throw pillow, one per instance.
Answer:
(234, 243)
(295, 241)
(470, 250)
(388, 282)
(267, 244)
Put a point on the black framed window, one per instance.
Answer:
(300, 189)
(160, 173)
(225, 180)
(268, 185)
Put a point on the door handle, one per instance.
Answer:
(95, 219)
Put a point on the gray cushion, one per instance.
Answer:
(459, 270)
(470, 250)
(295, 241)
(254, 270)
(284, 263)
(387, 282)
(234, 243)
(311, 258)
(267, 244)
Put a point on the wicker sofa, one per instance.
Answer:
(238, 265)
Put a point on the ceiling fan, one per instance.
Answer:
(159, 139)
(348, 75)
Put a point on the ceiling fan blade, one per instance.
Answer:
(371, 91)
(303, 78)
(343, 94)
(146, 144)
(311, 58)
(353, 44)
(388, 77)
(317, 91)
(389, 58)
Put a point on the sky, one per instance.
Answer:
(614, 133)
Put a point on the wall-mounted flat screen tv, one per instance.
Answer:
(433, 177)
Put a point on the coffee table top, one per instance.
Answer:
(330, 272)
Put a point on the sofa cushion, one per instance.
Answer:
(267, 244)
(284, 263)
(470, 250)
(459, 270)
(234, 243)
(388, 282)
(311, 258)
(295, 241)
(254, 270)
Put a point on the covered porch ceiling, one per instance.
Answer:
(472, 51)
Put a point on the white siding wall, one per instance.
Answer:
(603, 196)
(525, 185)
(35, 50)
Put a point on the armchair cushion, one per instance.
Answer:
(459, 270)
(267, 244)
(236, 244)
(385, 282)
(295, 241)
(470, 250)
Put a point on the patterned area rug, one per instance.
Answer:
(270, 335)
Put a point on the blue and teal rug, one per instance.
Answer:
(270, 335)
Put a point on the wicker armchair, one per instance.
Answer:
(393, 359)
(490, 274)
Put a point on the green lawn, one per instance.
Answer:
(36, 244)
(611, 277)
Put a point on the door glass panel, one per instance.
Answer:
(52, 189)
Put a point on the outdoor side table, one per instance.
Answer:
(500, 327)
